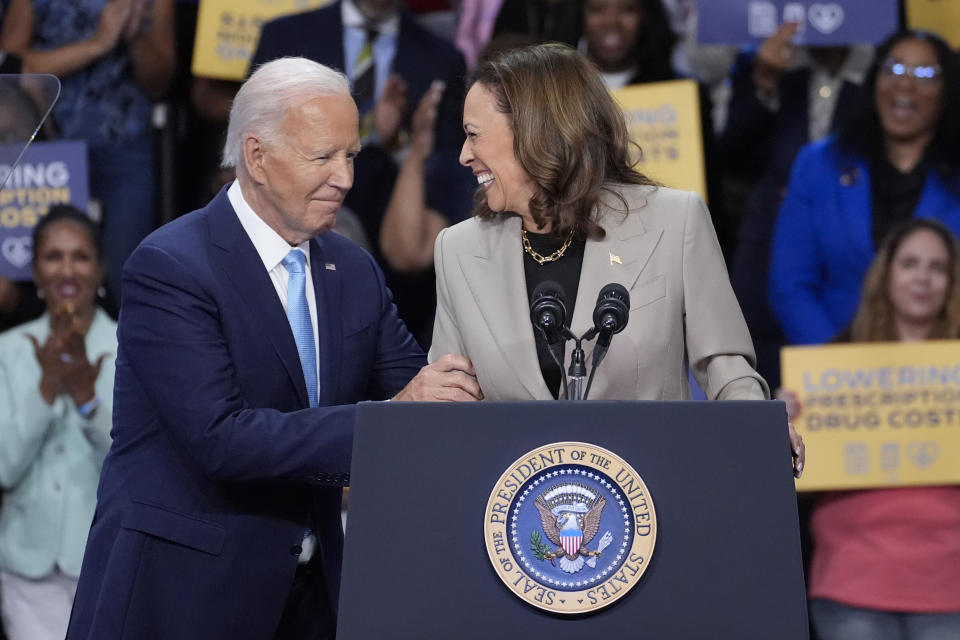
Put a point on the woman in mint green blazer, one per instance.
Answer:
(56, 394)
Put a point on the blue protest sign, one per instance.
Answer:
(839, 22)
(49, 173)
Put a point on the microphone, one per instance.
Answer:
(612, 312)
(548, 310)
(610, 317)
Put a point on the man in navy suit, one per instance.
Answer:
(219, 502)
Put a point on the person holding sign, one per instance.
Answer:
(559, 200)
(897, 158)
(886, 562)
(56, 390)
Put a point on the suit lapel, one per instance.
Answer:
(619, 257)
(494, 272)
(242, 266)
(326, 287)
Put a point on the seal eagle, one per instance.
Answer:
(565, 525)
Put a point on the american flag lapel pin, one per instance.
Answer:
(330, 266)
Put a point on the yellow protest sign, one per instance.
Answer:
(664, 119)
(877, 415)
(228, 32)
(939, 16)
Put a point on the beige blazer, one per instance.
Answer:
(683, 312)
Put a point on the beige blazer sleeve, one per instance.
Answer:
(683, 314)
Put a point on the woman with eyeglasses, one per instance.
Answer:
(897, 158)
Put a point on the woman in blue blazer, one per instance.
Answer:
(899, 157)
(56, 394)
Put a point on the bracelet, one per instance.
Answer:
(87, 408)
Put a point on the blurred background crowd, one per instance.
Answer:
(813, 157)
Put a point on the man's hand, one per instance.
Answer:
(449, 379)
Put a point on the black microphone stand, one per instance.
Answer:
(578, 363)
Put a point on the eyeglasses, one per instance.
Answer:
(924, 74)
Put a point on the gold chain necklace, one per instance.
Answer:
(541, 259)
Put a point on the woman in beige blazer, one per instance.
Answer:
(559, 200)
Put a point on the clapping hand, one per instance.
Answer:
(63, 359)
(114, 19)
(425, 119)
(389, 110)
(136, 20)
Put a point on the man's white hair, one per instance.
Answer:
(265, 96)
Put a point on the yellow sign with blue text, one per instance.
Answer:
(939, 16)
(664, 119)
(228, 32)
(877, 415)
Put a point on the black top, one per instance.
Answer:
(566, 272)
(895, 194)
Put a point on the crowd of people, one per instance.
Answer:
(485, 163)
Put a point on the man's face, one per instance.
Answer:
(306, 172)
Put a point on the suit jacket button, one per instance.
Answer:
(296, 550)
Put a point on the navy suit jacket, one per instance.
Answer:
(823, 245)
(218, 466)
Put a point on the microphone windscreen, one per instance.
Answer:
(548, 307)
(550, 289)
(613, 307)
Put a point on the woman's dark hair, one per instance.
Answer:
(67, 213)
(863, 134)
(568, 134)
(655, 42)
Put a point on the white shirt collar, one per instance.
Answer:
(353, 18)
(270, 246)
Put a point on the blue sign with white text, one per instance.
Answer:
(839, 22)
(49, 173)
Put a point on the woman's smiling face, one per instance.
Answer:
(488, 152)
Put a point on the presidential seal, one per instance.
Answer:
(570, 527)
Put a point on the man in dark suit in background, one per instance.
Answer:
(219, 502)
(388, 80)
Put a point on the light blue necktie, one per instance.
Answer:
(298, 314)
